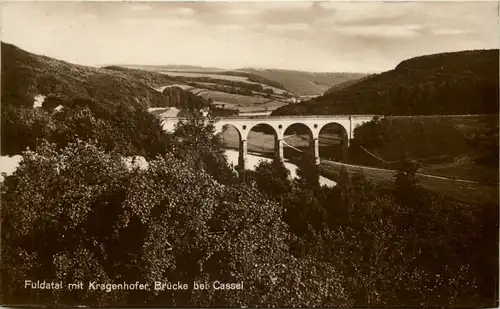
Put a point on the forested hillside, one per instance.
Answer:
(25, 75)
(111, 103)
(449, 83)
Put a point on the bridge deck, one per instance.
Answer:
(309, 117)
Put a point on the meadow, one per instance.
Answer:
(241, 102)
(220, 76)
(461, 191)
(198, 74)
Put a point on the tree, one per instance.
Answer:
(308, 172)
(406, 182)
(195, 142)
(23, 127)
(124, 128)
(272, 177)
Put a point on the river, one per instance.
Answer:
(8, 164)
(253, 161)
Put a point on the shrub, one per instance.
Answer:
(308, 172)
(194, 141)
(272, 177)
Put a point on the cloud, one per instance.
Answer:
(141, 7)
(164, 23)
(89, 16)
(258, 7)
(182, 11)
(361, 12)
(288, 27)
(334, 36)
(240, 11)
(284, 5)
(229, 27)
(379, 31)
(449, 32)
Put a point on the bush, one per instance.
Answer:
(272, 177)
(308, 172)
(195, 142)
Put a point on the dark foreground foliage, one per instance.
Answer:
(78, 213)
(403, 247)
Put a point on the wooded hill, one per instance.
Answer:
(463, 82)
(25, 75)
(94, 103)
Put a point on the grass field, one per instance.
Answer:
(463, 168)
(256, 102)
(220, 76)
(460, 191)
(241, 102)
(197, 74)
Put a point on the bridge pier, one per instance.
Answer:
(316, 150)
(242, 159)
(344, 144)
(279, 149)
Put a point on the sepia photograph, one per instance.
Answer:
(236, 154)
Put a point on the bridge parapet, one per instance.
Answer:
(290, 117)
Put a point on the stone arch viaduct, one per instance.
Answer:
(280, 123)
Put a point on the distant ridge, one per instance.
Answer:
(306, 83)
(301, 83)
(167, 67)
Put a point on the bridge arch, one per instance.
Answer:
(262, 127)
(333, 141)
(295, 140)
(229, 135)
(260, 135)
(233, 136)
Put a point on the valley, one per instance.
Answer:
(249, 90)
(298, 154)
(122, 110)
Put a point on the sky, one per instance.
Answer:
(326, 36)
